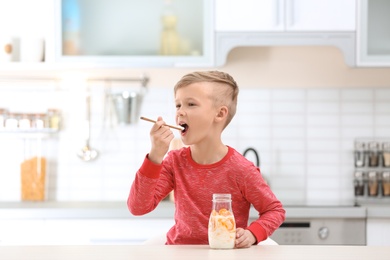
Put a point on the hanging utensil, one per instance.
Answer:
(87, 153)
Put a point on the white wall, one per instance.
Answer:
(304, 136)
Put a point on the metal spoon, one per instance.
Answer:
(87, 153)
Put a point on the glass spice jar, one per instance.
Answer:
(3, 117)
(222, 225)
(54, 118)
(24, 121)
(386, 154)
(359, 183)
(12, 121)
(373, 184)
(373, 154)
(360, 154)
(386, 183)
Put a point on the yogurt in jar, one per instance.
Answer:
(222, 229)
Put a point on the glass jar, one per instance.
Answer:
(386, 154)
(12, 121)
(386, 183)
(359, 183)
(24, 121)
(33, 171)
(54, 118)
(222, 225)
(373, 184)
(360, 155)
(373, 154)
(39, 121)
(3, 117)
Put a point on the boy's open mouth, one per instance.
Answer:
(185, 126)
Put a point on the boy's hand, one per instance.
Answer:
(244, 238)
(160, 136)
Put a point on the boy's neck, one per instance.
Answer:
(208, 153)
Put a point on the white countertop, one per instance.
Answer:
(53, 210)
(119, 252)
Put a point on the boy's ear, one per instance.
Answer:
(222, 113)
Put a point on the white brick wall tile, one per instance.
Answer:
(358, 94)
(315, 108)
(357, 108)
(323, 95)
(323, 120)
(323, 132)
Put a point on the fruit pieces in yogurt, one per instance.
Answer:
(222, 229)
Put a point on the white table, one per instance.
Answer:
(119, 252)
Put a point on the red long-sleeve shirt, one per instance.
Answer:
(194, 185)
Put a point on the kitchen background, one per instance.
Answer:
(304, 131)
(310, 86)
(300, 107)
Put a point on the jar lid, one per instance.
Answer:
(386, 146)
(373, 145)
(360, 145)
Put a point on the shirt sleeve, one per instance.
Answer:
(270, 209)
(149, 187)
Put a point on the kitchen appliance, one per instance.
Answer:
(321, 231)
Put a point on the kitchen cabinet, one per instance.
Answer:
(81, 231)
(285, 22)
(285, 15)
(378, 230)
(373, 37)
(124, 33)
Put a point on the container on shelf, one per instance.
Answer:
(3, 117)
(54, 118)
(33, 171)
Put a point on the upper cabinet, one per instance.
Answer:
(154, 33)
(285, 15)
(373, 33)
(285, 22)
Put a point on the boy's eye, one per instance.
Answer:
(191, 104)
(177, 106)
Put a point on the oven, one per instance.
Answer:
(321, 225)
(321, 231)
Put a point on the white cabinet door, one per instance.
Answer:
(320, 15)
(285, 15)
(378, 231)
(249, 15)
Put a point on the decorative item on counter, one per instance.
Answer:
(7, 49)
(373, 154)
(386, 154)
(32, 49)
(386, 183)
(222, 225)
(33, 179)
(360, 154)
(359, 184)
(373, 184)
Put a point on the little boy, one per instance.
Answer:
(205, 104)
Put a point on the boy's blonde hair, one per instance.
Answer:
(226, 96)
